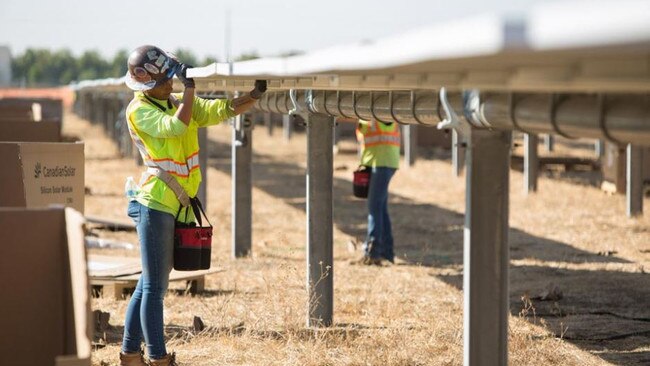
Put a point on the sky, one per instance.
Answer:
(264, 26)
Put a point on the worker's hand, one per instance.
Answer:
(181, 73)
(260, 88)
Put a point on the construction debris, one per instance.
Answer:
(198, 324)
(552, 292)
(103, 243)
(607, 253)
(111, 225)
(100, 320)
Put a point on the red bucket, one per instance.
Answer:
(192, 248)
(192, 242)
(361, 182)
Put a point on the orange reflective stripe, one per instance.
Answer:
(376, 136)
(168, 159)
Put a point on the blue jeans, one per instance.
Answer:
(144, 315)
(379, 240)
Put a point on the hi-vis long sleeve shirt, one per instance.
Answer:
(165, 141)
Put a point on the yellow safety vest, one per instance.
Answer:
(380, 144)
(165, 141)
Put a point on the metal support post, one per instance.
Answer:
(634, 181)
(599, 148)
(549, 142)
(287, 127)
(110, 118)
(320, 254)
(457, 153)
(410, 133)
(531, 162)
(242, 140)
(104, 102)
(268, 120)
(336, 136)
(203, 164)
(88, 107)
(486, 255)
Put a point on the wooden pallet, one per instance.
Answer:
(569, 163)
(118, 276)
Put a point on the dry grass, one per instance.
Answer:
(407, 314)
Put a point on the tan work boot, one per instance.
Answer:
(168, 360)
(132, 359)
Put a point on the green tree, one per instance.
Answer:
(62, 68)
(118, 64)
(209, 60)
(186, 56)
(92, 66)
(291, 53)
(251, 55)
(30, 66)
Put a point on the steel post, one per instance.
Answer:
(266, 117)
(634, 181)
(242, 140)
(549, 142)
(486, 255)
(457, 153)
(287, 127)
(599, 148)
(319, 220)
(410, 133)
(531, 163)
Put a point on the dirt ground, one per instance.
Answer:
(570, 236)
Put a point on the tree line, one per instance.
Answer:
(43, 67)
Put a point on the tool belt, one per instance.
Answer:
(361, 181)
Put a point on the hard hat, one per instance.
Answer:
(148, 67)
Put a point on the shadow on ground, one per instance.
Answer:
(604, 312)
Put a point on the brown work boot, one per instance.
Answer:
(168, 360)
(132, 359)
(366, 261)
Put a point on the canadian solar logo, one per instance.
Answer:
(37, 170)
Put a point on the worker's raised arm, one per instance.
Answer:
(246, 102)
(184, 112)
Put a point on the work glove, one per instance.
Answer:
(181, 74)
(260, 88)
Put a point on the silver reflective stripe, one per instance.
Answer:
(170, 166)
(193, 162)
(381, 139)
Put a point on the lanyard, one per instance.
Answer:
(169, 103)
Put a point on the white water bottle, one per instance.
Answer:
(130, 188)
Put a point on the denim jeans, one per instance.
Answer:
(144, 315)
(379, 240)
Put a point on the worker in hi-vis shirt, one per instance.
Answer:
(380, 145)
(164, 127)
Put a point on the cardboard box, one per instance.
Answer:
(31, 109)
(38, 174)
(44, 288)
(30, 131)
